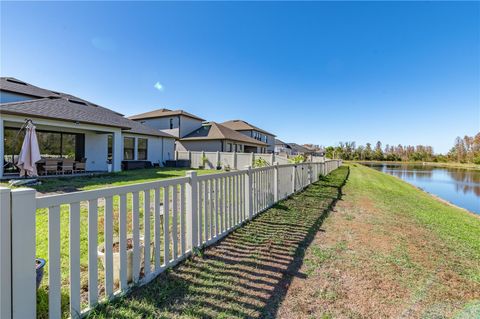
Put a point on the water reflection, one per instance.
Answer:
(457, 185)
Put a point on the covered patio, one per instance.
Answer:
(66, 148)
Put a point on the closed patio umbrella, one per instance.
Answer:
(30, 153)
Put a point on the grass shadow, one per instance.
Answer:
(245, 275)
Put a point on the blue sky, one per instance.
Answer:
(310, 72)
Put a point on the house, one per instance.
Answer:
(213, 137)
(194, 134)
(315, 150)
(254, 132)
(299, 149)
(178, 123)
(71, 127)
(282, 148)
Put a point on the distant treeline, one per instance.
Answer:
(465, 150)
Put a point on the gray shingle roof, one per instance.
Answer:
(240, 125)
(66, 107)
(215, 131)
(163, 113)
(299, 148)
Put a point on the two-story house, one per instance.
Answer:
(178, 123)
(194, 134)
(254, 132)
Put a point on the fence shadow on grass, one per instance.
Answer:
(247, 274)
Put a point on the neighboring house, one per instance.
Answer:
(299, 149)
(178, 123)
(213, 137)
(282, 148)
(254, 132)
(315, 149)
(68, 126)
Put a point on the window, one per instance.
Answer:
(51, 144)
(68, 145)
(110, 147)
(171, 123)
(266, 139)
(142, 149)
(128, 148)
(229, 147)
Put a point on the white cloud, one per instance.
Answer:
(158, 86)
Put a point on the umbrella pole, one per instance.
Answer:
(24, 125)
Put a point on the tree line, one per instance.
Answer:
(464, 150)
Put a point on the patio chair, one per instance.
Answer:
(50, 166)
(79, 167)
(66, 166)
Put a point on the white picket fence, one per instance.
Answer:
(163, 220)
(233, 160)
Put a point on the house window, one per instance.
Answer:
(229, 147)
(266, 139)
(171, 123)
(110, 147)
(128, 148)
(142, 149)
(51, 144)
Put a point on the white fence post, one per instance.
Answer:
(310, 174)
(248, 192)
(218, 163)
(252, 158)
(234, 160)
(294, 172)
(23, 211)
(275, 182)
(191, 199)
(5, 255)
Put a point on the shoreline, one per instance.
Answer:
(473, 167)
(436, 197)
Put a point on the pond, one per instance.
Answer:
(456, 185)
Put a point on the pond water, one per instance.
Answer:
(456, 185)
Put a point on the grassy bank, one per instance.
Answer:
(244, 276)
(389, 250)
(437, 164)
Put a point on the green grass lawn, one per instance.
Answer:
(77, 183)
(246, 274)
(69, 184)
(389, 250)
(374, 247)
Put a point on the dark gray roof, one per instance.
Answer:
(279, 142)
(17, 86)
(66, 107)
(299, 148)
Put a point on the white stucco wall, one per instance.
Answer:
(96, 151)
(163, 124)
(207, 146)
(159, 149)
(168, 149)
(188, 125)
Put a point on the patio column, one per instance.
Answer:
(117, 151)
(2, 148)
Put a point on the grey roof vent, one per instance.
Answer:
(77, 102)
(17, 81)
